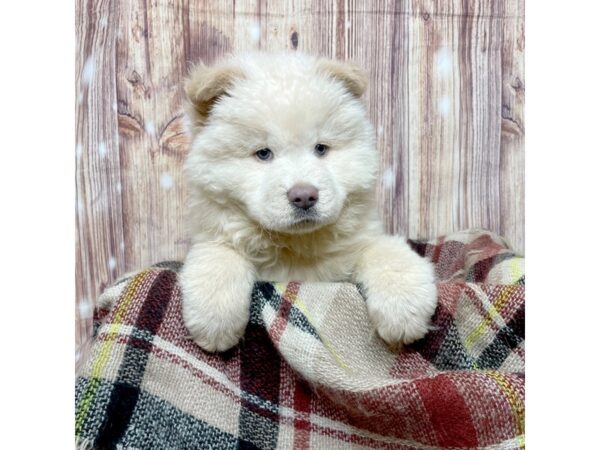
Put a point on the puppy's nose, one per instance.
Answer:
(303, 195)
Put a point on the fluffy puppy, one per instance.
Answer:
(281, 181)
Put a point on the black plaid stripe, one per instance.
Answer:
(126, 391)
(265, 293)
(260, 366)
(507, 338)
(444, 348)
(433, 341)
(97, 408)
(452, 354)
(262, 294)
(157, 424)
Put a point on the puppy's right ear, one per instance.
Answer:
(204, 86)
(352, 77)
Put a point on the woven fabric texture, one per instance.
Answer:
(310, 372)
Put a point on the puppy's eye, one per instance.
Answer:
(321, 149)
(264, 154)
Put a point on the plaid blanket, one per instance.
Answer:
(310, 372)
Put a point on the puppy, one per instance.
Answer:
(281, 182)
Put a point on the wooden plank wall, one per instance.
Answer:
(446, 96)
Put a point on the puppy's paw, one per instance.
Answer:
(214, 334)
(216, 324)
(400, 288)
(401, 311)
(216, 284)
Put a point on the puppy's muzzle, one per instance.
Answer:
(303, 196)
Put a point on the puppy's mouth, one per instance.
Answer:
(305, 221)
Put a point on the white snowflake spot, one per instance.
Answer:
(79, 150)
(444, 105)
(88, 71)
(254, 31)
(166, 181)
(85, 309)
(348, 24)
(388, 177)
(443, 61)
(122, 246)
(150, 128)
(112, 263)
(102, 149)
(118, 187)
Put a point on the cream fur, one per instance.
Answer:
(243, 225)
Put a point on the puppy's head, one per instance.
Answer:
(284, 138)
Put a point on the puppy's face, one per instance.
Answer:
(283, 138)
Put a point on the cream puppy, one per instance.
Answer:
(281, 181)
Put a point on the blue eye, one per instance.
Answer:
(264, 154)
(321, 149)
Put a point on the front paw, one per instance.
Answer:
(400, 313)
(216, 284)
(215, 314)
(212, 329)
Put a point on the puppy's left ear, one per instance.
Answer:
(352, 76)
(203, 88)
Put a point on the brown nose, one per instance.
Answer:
(303, 195)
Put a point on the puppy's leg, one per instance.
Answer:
(216, 284)
(400, 289)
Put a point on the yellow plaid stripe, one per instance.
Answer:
(104, 353)
(492, 314)
(514, 400)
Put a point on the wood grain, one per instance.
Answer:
(446, 97)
